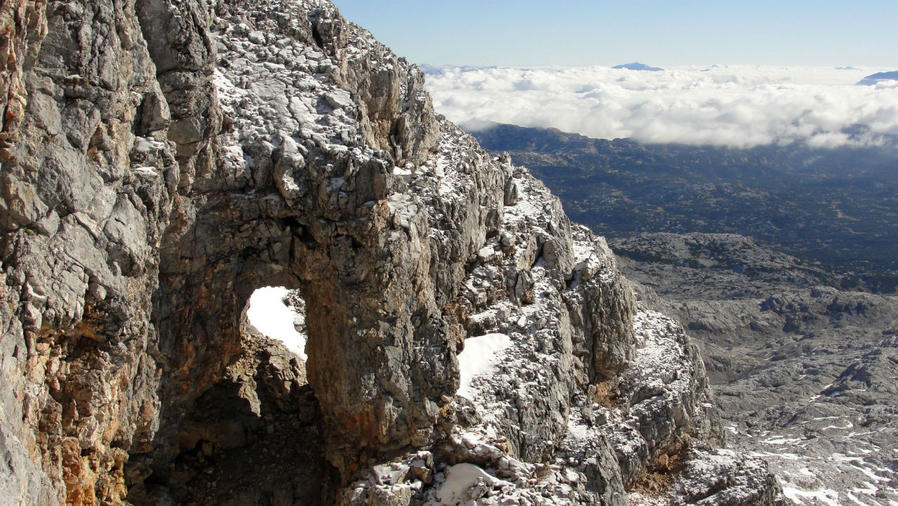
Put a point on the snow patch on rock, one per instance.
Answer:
(464, 483)
(478, 358)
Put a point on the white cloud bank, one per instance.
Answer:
(735, 105)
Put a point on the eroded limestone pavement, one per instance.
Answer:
(162, 159)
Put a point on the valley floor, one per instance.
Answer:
(804, 374)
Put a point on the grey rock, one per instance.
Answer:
(797, 365)
(21, 481)
(171, 157)
(511, 193)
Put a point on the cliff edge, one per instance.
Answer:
(466, 341)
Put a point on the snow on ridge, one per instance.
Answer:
(459, 479)
(818, 496)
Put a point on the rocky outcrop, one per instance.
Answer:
(86, 201)
(171, 157)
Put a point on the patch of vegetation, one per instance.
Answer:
(655, 478)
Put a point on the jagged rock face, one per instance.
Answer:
(86, 199)
(174, 156)
(23, 25)
(356, 243)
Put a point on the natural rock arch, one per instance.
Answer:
(143, 204)
(292, 208)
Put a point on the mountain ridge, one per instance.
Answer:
(638, 66)
(151, 183)
(781, 336)
(873, 79)
(833, 206)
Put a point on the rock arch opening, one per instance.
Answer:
(255, 435)
(277, 313)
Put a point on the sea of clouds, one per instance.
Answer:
(734, 105)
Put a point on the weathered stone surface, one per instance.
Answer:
(23, 25)
(178, 40)
(21, 481)
(87, 201)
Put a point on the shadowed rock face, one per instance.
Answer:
(171, 157)
(270, 212)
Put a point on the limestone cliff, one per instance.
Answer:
(162, 159)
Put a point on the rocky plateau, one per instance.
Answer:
(804, 374)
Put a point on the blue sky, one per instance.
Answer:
(580, 32)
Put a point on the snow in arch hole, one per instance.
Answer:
(278, 313)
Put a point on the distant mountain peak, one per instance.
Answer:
(637, 66)
(872, 79)
(440, 69)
